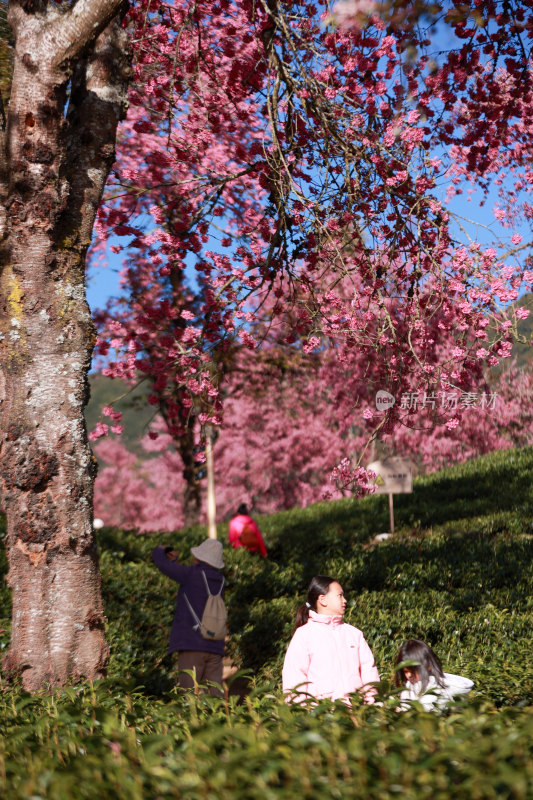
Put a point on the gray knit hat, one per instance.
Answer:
(210, 552)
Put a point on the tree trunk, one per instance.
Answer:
(192, 494)
(185, 444)
(54, 167)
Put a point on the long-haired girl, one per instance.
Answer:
(327, 657)
(425, 681)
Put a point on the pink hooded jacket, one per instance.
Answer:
(327, 658)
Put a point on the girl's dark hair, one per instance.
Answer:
(428, 663)
(319, 585)
(243, 509)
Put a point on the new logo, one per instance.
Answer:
(384, 400)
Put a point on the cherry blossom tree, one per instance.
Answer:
(460, 425)
(323, 140)
(201, 132)
(278, 464)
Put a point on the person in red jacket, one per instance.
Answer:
(243, 532)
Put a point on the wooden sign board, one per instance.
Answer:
(394, 476)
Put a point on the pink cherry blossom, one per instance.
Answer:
(285, 215)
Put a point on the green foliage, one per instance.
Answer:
(458, 573)
(96, 742)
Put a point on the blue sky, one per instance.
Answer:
(103, 282)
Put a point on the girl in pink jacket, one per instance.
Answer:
(326, 657)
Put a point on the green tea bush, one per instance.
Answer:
(458, 573)
(95, 742)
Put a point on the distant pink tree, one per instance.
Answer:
(142, 495)
(489, 417)
(278, 450)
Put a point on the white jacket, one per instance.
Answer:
(435, 696)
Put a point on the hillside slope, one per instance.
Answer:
(458, 573)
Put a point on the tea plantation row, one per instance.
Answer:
(459, 574)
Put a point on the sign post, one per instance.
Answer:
(211, 503)
(394, 476)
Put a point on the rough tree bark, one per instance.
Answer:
(70, 76)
